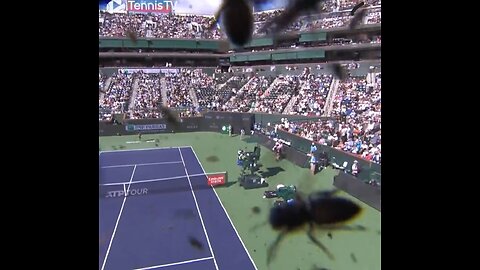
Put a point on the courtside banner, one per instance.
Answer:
(217, 179)
(146, 127)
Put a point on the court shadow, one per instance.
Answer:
(272, 171)
(175, 189)
(258, 226)
(228, 184)
(315, 267)
(251, 139)
(212, 159)
(185, 214)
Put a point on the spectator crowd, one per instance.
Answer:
(357, 106)
(150, 25)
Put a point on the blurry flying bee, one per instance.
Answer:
(321, 209)
(256, 210)
(340, 72)
(357, 6)
(170, 116)
(352, 256)
(360, 38)
(132, 35)
(237, 16)
(357, 18)
(293, 10)
(195, 243)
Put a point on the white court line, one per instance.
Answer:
(116, 223)
(158, 179)
(198, 210)
(172, 264)
(218, 198)
(142, 149)
(128, 189)
(141, 164)
(152, 180)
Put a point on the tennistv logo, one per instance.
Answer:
(158, 6)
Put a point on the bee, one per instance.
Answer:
(170, 116)
(256, 210)
(340, 72)
(293, 10)
(132, 35)
(352, 256)
(195, 243)
(357, 18)
(237, 16)
(357, 6)
(320, 209)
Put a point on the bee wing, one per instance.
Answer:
(217, 15)
(266, 26)
(323, 194)
(278, 23)
(320, 7)
(333, 211)
(300, 196)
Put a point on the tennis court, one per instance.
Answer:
(157, 211)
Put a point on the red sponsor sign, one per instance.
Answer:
(216, 179)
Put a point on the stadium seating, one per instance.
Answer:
(117, 97)
(148, 97)
(198, 27)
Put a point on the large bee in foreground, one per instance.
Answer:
(323, 210)
(237, 16)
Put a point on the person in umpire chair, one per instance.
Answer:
(277, 149)
(313, 164)
(355, 168)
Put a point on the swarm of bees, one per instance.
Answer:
(319, 210)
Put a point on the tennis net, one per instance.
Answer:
(162, 185)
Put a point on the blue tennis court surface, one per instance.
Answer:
(170, 219)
